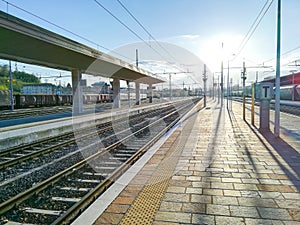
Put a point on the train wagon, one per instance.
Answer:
(4, 99)
(290, 92)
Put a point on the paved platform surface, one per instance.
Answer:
(216, 169)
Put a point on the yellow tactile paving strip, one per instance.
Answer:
(141, 200)
(144, 208)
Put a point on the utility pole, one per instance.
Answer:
(222, 90)
(213, 90)
(277, 81)
(244, 97)
(204, 77)
(228, 85)
(170, 86)
(11, 88)
(231, 93)
(137, 58)
(256, 77)
(218, 89)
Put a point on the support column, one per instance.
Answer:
(150, 93)
(128, 92)
(77, 94)
(116, 93)
(137, 93)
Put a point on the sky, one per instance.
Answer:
(198, 26)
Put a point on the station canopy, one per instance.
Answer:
(25, 42)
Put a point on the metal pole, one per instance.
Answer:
(277, 81)
(218, 89)
(170, 86)
(228, 85)
(252, 108)
(222, 78)
(244, 97)
(11, 88)
(231, 93)
(137, 57)
(213, 90)
(204, 81)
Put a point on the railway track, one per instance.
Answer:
(21, 113)
(20, 160)
(31, 112)
(62, 196)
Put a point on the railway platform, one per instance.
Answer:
(26, 130)
(214, 168)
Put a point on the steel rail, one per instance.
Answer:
(16, 200)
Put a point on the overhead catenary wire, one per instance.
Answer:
(127, 27)
(254, 26)
(143, 27)
(133, 32)
(283, 54)
(64, 29)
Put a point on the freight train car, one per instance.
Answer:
(290, 92)
(4, 99)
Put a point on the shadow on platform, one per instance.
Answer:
(289, 154)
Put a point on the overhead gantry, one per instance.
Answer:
(25, 42)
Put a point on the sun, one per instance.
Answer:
(219, 47)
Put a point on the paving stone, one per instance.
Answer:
(250, 181)
(171, 206)
(173, 217)
(192, 190)
(279, 188)
(243, 211)
(288, 203)
(257, 202)
(201, 198)
(274, 213)
(194, 207)
(222, 185)
(176, 197)
(231, 180)
(232, 193)
(223, 220)
(116, 208)
(215, 209)
(176, 189)
(269, 181)
(212, 191)
(201, 219)
(249, 221)
(245, 186)
(271, 194)
(123, 200)
(250, 194)
(109, 218)
(295, 213)
(224, 200)
(291, 195)
(201, 184)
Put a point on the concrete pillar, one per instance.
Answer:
(150, 92)
(77, 94)
(137, 93)
(128, 92)
(116, 93)
(264, 111)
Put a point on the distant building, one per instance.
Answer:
(102, 87)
